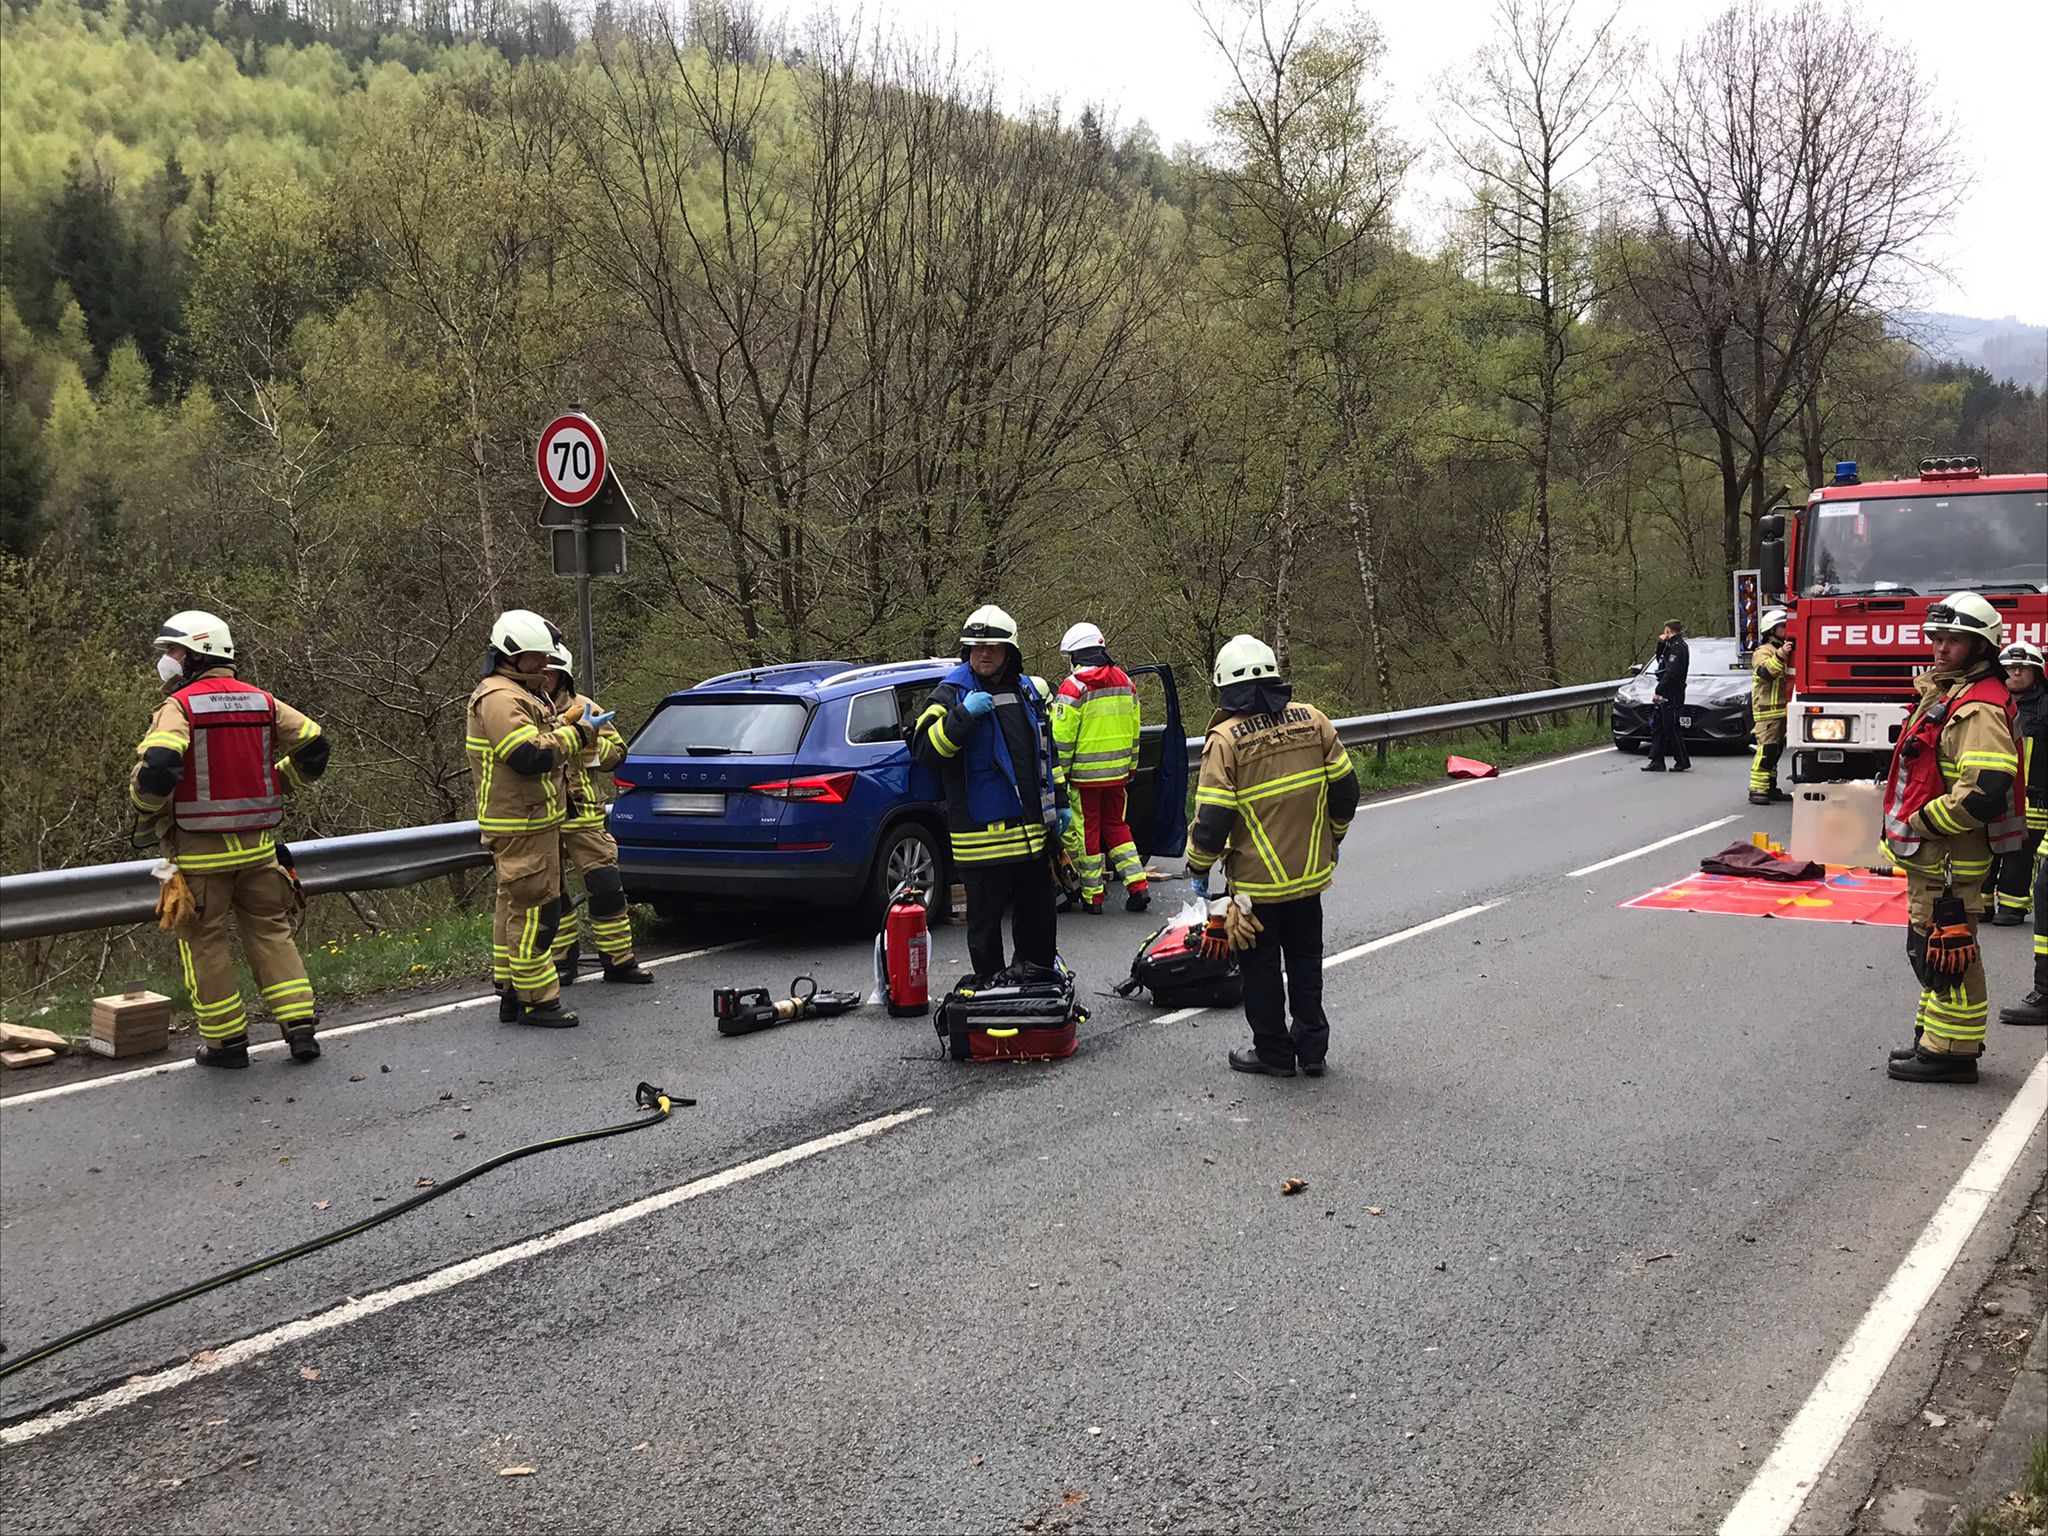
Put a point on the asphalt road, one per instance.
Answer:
(1593, 1198)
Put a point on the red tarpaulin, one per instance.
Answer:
(1844, 896)
(1469, 768)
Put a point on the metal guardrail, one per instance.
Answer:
(49, 902)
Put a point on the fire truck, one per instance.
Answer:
(1858, 567)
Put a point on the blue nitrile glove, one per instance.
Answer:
(1336, 853)
(1066, 821)
(598, 722)
(978, 703)
(1200, 885)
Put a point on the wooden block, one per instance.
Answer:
(14, 1061)
(24, 1037)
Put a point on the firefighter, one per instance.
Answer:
(1952, 799)
(984, 729)
(1095, 726)
(1277, 794)
(517, 745)
(2033, 1008)
(2013, 873)
(210, 777)
(587, 847)
(1769, 692)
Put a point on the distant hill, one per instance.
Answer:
(2006, 349)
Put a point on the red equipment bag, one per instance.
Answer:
(1027, 1014)
(1171, 966)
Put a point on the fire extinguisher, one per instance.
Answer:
(907, 954)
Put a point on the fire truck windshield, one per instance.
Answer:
(1907, 546)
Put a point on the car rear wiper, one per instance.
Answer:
(712, 751)
(1886, 591)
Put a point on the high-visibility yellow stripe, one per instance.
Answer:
(936, 732)
(161, 739)
(516, 738)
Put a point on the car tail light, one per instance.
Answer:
(826, 789)
(619, 783)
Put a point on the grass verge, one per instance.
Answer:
(2024, 1511)
(1410, 765)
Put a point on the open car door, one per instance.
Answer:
(1158, 806)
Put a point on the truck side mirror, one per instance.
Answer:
(1771, 555)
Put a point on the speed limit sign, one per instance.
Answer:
(571, 459)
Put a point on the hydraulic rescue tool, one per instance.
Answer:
(743, 1010)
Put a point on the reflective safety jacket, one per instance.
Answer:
(517, 745)
(1278, 793)
(1770, 687)
(1095, 726)
(2032, 712)
(588, 775)
(213, 770)
(1953, 795)
(996, 769)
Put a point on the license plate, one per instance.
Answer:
(1685, 719)
(689, 805)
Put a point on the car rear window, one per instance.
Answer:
(724, 728)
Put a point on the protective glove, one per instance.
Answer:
(1950, 945)
(174, 904)
(1214, 942)
(978, 703)
(1200, 885)
(1336, 853)
(598, 722)
(1241, 927)
(1066, 816)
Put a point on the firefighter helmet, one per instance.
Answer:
(989, 625)
(561, 659)
(2021, 654)
(1777, 618)
(518, 630)
(1082, 637)
(1964, 613)
(202, 633)
(1244, 658)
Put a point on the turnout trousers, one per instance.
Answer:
(1291, 943)
(260, 899)
(1770, 746)
(591, 853)
(2012, 876)
(1024, 887)
(529, 909)
(1952, 1010)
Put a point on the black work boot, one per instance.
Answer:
(1759, 797)
(508, 1006)
(223, 1055)
(1780, 796)
(1137, 901)
(1907, 1052)
(565, 968)
(1249, 1060)
(628, 973)
(1653, 768)
(300, 1037)
(2008, 917)
(548, 1015)
(2031, 1009)
(1935, 1067)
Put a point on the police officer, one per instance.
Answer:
(1277, 794)
(1952, 799)
(1667, 735)
(517, 745)
(2013, 874)
(1095, 730)
(1770, 691)
(984, 729)
(587, 848)
(210, 778)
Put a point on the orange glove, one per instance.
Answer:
(1215, 940)
(1951, 947)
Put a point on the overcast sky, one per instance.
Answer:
(1151, 59)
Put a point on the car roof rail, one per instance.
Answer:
(755, 674)
(882, 668)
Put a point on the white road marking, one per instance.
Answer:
(112, 1079)
(1662, 842)
(1781, 1486)
(228, 1356)
(1344, 957)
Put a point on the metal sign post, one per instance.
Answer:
(586, 514)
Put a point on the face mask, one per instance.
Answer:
(169, 668)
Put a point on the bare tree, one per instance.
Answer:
(1788, 168)
(1524, 127)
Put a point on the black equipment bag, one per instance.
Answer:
(1179, 975)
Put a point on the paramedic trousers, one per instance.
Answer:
(1293, 942)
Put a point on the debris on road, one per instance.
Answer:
(422, 1182)
(1655, 1257)
(1293, 1186)
(1932, 1419)
(515, 1471)
(14, 1061)
(1375, 1210)
(309, 1373)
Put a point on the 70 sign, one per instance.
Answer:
(571, 459)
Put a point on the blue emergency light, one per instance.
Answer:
(1845, 473)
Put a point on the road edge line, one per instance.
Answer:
(1662, 842)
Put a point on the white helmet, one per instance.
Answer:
(1777, 618)
(1964, 613)
(561, 659)
(1082, 637)
(1243, 658)
(202, 633)
(989, 625)
(518, 630)
(2021, 654)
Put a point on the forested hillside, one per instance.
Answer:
(289, 291)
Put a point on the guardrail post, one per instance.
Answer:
(1379, 751)
(1503, 735)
